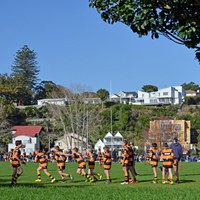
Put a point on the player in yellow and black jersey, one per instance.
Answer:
(61, 159)
(81, 163)
(42, 159)
(107, 163)
(125, 161)
(154, 161)
(168, 160)
(16, 162)
(91, 165)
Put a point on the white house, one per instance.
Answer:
(99, 145)
(57, 101)
(124, 97)
(192, 93)
(113, 142)
(29, 136)
(166, 96)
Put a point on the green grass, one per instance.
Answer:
(78, 189)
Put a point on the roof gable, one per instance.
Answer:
(109, 134)
(30, 131)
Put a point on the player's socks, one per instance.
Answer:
(63, 179)
(17, 176)
(108, 180)
(177, 178)
(134, 178)
(80, 173)
(126, 178)
(67, 175)
(39, 175)
(87, 176)
(156, 179)
(13, 178)
(49, 175)
(163, 179)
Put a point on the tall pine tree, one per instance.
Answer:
(25, 67)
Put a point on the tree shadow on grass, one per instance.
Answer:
(187, 181)
(190, 175)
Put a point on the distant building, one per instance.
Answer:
(71, 142)
(29, 136)
(166, 96)
(112, 142)
(56, 101)
(161, 131)
(192, 93)
(124, 97)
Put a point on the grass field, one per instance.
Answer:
(189, 188)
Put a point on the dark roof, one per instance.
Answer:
(30, 131)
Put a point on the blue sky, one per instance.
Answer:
(75, 46)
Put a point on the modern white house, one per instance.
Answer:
(166, 96)
(113, 142)
(57, 101)
(29, 136)
(92, 100)
(124, 97)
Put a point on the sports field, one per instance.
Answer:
(27, 189)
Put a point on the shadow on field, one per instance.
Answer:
(190, 175)
(187, 181)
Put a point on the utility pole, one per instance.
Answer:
(87, 127)
(111, 131)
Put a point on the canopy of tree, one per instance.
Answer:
(190, 86)
(178, 21)
(149, 88)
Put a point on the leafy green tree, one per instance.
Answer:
(149, 88)
(103, 95)
(44, 89)
(178, 21)
(190, 86)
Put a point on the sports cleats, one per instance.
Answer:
(124, 183)
(53, 180)
(38, 180)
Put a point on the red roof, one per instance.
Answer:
(26, 130)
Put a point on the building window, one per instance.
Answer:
(29, 150)
(178, 127)
(165, 93)
(58, 144)
(142, 95)
(186, 135)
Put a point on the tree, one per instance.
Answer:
(103, 95)
(44, 89)
(178, 21)
(73, 117)
(160, 131)
(149, 88)
(25, 69)
(190, 86)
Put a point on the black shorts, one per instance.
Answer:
(130, 163)
(154, 165)
(125, 165)
(61, 167)
(83, 167)
(16, 166)
(107, 168)
(168, 166)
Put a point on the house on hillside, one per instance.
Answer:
(166, 96)
(57, 101)
(66, 143)
(124, 97)
(29, 136)
(192, 93)
(112, 142)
